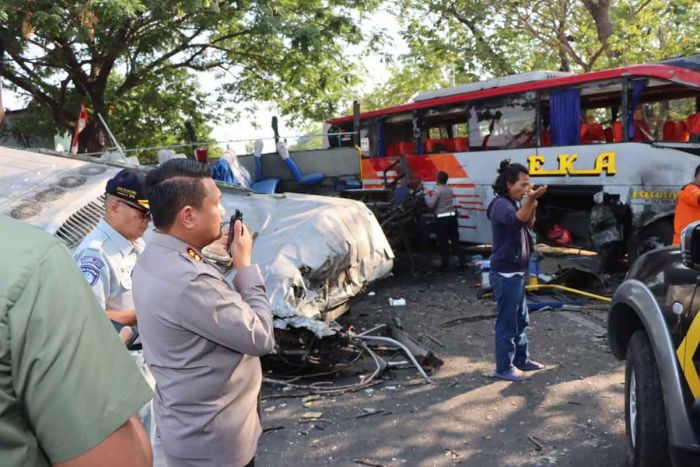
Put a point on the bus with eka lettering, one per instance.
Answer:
(614, 146)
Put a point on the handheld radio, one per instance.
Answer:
(237, 216)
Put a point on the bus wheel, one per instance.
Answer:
(655, 235)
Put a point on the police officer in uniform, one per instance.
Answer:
(202, 335)
(441, 201)
(107, 255)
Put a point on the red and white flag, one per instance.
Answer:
(79, 127)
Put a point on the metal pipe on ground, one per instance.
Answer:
(398, 344)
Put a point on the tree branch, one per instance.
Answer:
(41, 97)
(478, 36)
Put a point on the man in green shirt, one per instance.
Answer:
(69, 390)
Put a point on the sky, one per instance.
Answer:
(245, 129)
(376, 72)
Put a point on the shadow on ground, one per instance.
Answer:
(570, 414)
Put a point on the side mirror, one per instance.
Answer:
(690, 245)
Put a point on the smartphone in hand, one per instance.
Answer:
(132, 344)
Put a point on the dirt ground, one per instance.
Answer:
(572, 413)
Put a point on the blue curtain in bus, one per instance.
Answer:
(565, 117)
(380, 138)
(637, 89)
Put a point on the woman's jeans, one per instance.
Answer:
(512, 320)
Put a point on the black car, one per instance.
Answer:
(654, 324)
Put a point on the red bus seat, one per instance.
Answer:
(641, 130)
(407, 147)
(438, 145)
(669, 133)
(609, 135)
(694, 127)
(617, 132)
(546, 138)
(461, 144)
(676, 131)
(393, 150)
(592, 133)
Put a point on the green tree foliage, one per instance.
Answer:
(460, 41)
(404, 81)
(134, 61)
(311, 138)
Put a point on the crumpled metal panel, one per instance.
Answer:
(315, 252)
(319, 250)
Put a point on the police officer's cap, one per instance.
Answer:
(129, 185)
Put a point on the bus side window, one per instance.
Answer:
(438, 140)
(674, 120)
(667, 112)
(507, 122)
(593, 129)
(446, 130)
(398, 133)
(658, 110)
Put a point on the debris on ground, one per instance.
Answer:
(397, 302)
(576, 401)
(533, 440)
(368, 462)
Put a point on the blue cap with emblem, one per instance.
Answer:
(129, 185)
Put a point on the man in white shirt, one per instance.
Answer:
(107, 255)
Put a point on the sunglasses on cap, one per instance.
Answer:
(145, 213)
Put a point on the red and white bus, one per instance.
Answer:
(614, 146)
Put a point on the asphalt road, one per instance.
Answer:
(569, 414)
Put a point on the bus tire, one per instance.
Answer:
(650, 237)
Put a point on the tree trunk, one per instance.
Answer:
(600, 12)
(562, 50)
(93, 138)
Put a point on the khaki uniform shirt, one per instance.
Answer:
(441, 200)
(202, 337)
(66, 379)
(107, 260)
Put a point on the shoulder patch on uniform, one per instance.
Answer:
(91, 273)
(192, 253)
(96, 243)
(92, 261)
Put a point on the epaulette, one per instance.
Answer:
(192, 253)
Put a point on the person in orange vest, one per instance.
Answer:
(687, 207)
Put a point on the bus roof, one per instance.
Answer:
(519, 78)
(685, 70)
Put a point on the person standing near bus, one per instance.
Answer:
(107, 255)
(687, 207)
(511, 213)
(202, 334)
(441, 201)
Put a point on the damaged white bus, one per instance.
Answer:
(614, 146)
(315, 252)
